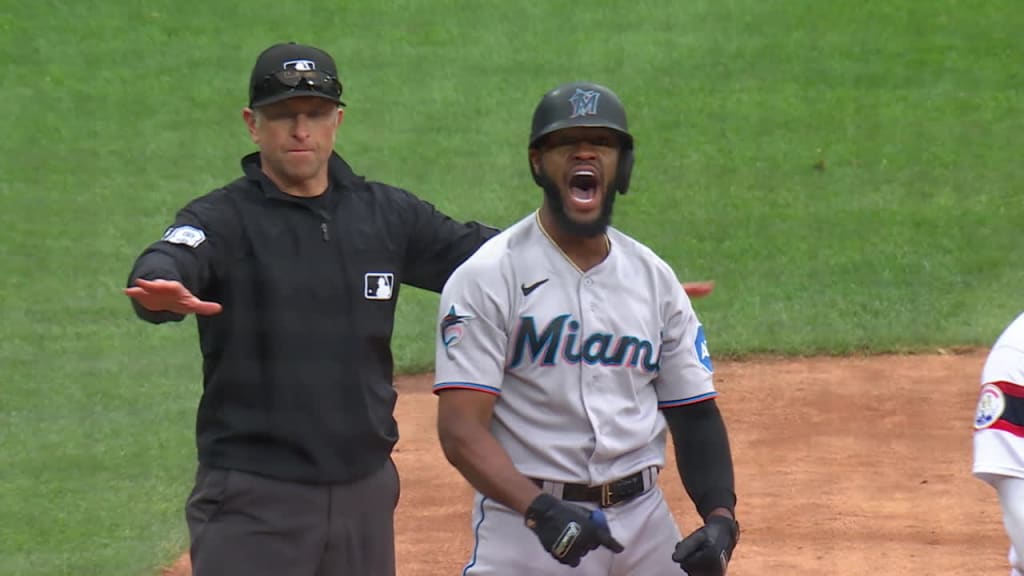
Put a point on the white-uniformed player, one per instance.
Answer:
(999, 433)
(565, 351)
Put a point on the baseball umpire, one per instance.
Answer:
(294, 270)
(565, 350)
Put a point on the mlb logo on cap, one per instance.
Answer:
(302, 65)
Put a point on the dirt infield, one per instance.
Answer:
(845, 466)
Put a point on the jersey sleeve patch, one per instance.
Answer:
(185, 235)
(700, 345)
(1001, 407)
(991, 404)
(453, 328)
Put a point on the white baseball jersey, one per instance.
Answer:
(999, 419)
(581, 361)
(999, 431)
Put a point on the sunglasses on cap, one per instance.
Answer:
(291, 81)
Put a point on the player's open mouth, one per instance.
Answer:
(583, 185)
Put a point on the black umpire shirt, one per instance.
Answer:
(297, 368)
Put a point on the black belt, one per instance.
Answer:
(606, 495)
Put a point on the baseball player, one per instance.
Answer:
(999, 433)
(565, 350)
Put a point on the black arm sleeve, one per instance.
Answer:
(190, 265)
(438, 244)
(702, 455)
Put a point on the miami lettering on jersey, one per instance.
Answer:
(561, 338)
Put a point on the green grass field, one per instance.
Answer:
(846, 171)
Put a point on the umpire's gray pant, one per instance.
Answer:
(242, 524)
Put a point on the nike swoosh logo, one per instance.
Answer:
(527, 289)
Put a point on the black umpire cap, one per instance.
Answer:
(291, 70)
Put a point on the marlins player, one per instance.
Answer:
(999, 433)
(566, 349)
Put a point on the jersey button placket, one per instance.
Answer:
(592, 305)
(590, 374)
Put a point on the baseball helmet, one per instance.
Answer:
(584, 104)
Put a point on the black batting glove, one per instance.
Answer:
(707, 551)
(568, 531)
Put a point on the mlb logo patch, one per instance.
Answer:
(379, 285)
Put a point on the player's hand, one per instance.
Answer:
(698, 289)
(707, 551)
(568, 531)
(169, 296)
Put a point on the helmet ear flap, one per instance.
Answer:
(625, 170)
(537, 177)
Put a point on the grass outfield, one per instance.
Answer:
(846, 171)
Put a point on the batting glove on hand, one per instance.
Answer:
(707, 551)
(568, 531)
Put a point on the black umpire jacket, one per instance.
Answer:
(297, 369)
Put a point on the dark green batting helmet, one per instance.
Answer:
(584, 104)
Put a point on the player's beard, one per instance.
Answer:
(565, 222)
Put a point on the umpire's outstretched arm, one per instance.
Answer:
(177, 271)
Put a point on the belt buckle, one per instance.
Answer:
(606, 495)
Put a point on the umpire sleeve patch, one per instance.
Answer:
(186, 235)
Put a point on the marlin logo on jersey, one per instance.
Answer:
(453, 326)
(584, 103)
(561, 338)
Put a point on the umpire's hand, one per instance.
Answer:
(707, 551)
(169, 296)
(568, 531)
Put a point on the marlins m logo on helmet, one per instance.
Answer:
(584, 102)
